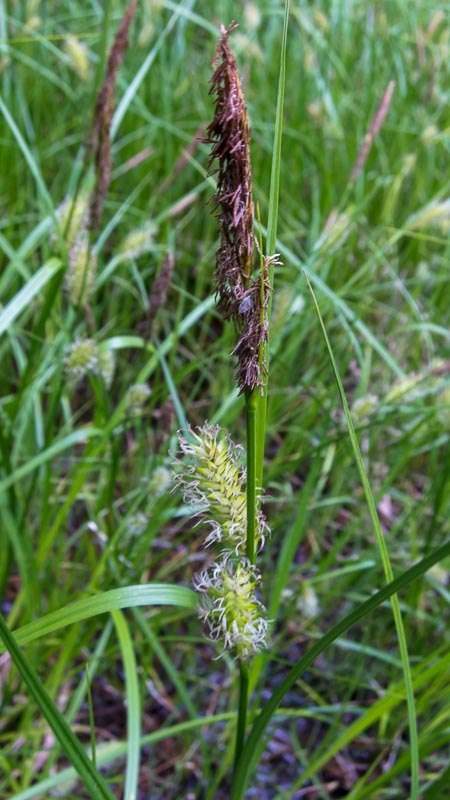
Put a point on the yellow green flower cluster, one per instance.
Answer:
(213, 483)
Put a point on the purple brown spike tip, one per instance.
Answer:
(240, 297)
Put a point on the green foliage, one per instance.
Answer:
(89, 523)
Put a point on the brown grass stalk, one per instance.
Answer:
(103, 114)
(373, 131)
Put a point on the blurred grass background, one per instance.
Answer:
(85, 497)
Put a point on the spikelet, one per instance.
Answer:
(213, 480)
(80, 357)
(83, 356)
(230, 608)
(252, 15)
(404, 388)
(138, 242)
(161, 284)
(374, 130)
(137, 396)
(137, 523)
(72, 218)
(160, 482)
(80, 274)
(78, 56)
(229, 135)
(106, 366)
(434, 215)
(364, 407)
(240, 297)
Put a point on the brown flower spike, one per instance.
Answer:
(240, 297)
(103, 114)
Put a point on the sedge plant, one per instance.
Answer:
(228, 494)
(221, 480)
(212, 479)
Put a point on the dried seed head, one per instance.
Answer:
(161, 284)
(103, 114)
(229, 135)
(251, 366)
(373, 131)
(240, 297)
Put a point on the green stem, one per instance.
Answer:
(260, 435)
(250, 409)
(256, 401)
(242, 711)
(94, 782)
(252, 499)
(271, 238)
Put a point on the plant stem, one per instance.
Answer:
(271, 238)
(250, 408)
(242, 711)
(256, 400)
(251, 400)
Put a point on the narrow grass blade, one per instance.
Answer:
(156, 594)
(253, 744)
(77, 437)
(50, 75)
(174, 674)
(15, 266)
(341, 306)
(109, 752)
(124, 343)
(23, 298)
(31, 161)
(274, 195)
(93, 781)
(186, 14)
(438, 789)
(177, 404)
(271, 237)
(133, 706)
(95, 448)
(291, 541)
(374, 714)
(142, 72)
(412, 719)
